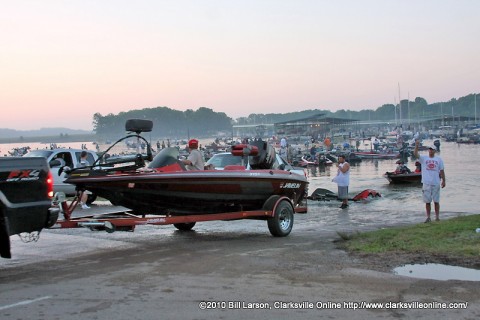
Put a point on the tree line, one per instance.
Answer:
(205, 122)
(166, 122)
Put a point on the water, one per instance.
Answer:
(399, 204)
(6, 147)
(438, 272)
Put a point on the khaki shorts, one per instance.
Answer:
(431, 193)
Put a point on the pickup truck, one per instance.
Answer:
(26, 192)
(57, 159)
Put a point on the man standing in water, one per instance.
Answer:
(343, 180)
(433, 177)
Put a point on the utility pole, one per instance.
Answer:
(441, 110)
(408, 108)
(399, 104)
(395, 110)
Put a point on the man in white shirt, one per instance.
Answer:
(195, 159)
(433, 177)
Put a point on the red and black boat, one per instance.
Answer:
(396, 177)
(165, 187)
(403, 174)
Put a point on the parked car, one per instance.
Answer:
(57, 159)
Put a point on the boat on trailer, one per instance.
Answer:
(164, 192)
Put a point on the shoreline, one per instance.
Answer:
(50, 139)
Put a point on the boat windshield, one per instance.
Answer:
(167, 156)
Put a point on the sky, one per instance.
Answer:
(62, 61)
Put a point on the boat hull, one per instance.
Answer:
(194, 192)
(400, 178)
(376, 155)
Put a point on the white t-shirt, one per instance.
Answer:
(342, 178)
(431, 169)
(196, 158)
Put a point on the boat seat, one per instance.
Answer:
(234, 167)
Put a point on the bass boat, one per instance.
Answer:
(395, 177)
(165, 187)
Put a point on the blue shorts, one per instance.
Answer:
(431, 193)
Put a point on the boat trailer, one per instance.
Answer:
(277, 210)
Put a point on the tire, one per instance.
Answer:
(4, 237)
(91, 198)
(281, 224)
(52, 218)
(184, 226)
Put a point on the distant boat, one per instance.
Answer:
(376, 155)
(397, 178)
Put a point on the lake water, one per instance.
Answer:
(399, 204)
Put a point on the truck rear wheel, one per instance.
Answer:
(4, 237)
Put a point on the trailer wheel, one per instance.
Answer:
(184, 226)
(281, 224)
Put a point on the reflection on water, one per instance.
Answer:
(438, 272)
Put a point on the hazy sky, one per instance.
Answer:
(62, 61)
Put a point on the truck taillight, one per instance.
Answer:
(50, 185)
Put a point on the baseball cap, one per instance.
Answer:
(193, 143)
(433, 148)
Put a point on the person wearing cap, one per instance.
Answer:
(418, 167)
(195, 159)
(402, 168)
(433, 177)
(342, 179)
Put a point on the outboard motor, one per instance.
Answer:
(266, 155)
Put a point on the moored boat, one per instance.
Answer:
(412, 177)
(376, 155)
(403, 174)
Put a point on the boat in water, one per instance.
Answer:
(164, 186)
(403, 174)
(395, 177)
(376, 155)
